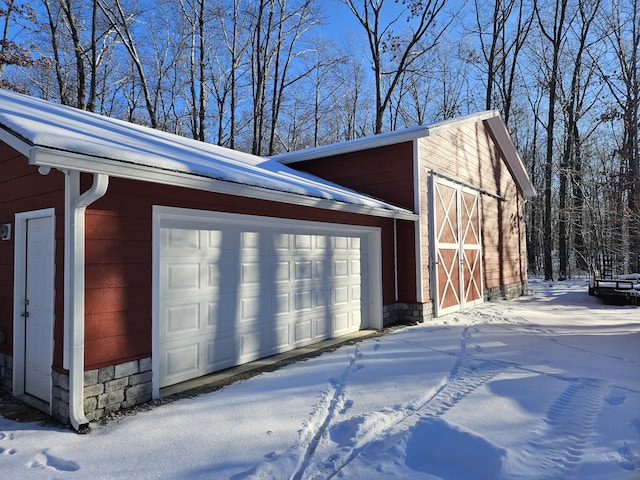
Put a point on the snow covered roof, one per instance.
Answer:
(59, 136)
(492, 118)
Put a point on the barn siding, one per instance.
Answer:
(119, 259)
(470, 155)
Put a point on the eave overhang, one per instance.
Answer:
(53, 158)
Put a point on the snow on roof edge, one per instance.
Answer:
(30, 123)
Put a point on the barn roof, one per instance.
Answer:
(58, 136)
(492, 119)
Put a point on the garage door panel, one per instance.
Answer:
(302, 270)
(181, 362)
(220, 351)
(356, 293)
(303, 300)
(182, 319)
(183, 276)
(302, 331)
(342, 322)
(257, 344)
(233, 293)
(179, 239)
(341, 267)
(341, 295)
(324, 326)
(302, 242)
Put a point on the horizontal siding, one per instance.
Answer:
(406, 261)
(23, 189)
(384, 172)
(503, 243)
(470, 155)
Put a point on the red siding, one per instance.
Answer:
(385, 172)
(23, 189)
(407, 288)
(119, 263)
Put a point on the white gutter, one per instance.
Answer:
(75, 206)
(395, 259)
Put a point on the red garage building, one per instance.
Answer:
(133, 259)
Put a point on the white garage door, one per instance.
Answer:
(235, 288)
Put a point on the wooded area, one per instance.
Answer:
(269, 76)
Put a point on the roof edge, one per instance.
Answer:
(43, 156)
(381, 139)
(512, 157)
(14, 140)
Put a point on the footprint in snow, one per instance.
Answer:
(626, 459)
(8, 437)
(347, 405)
(44, 460)
(615, 399)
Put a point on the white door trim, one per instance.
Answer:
(19, 281)
(163, 216)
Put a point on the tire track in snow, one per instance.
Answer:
(332, 401)
(395, 425)
(377, 432)
(560, 439)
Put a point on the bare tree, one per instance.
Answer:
(575, 106)
(278, 31)
(555, 35)
(353, 102)
(194, 13)
(392, 53)
(233, 29)
(623, 24)
(122, 23)
(12, 52)
(501, 46)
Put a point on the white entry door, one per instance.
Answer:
(235, 288)
(37, 306)
(456, 246)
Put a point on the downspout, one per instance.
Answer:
(395, 259)
(75, 286)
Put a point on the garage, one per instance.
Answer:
(232, 288)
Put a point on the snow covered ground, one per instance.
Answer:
(544, 387)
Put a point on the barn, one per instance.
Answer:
(467, 184)
(134, 260)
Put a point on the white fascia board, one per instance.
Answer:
(381, 139)
(512, 156)
(14, 141)
(358, 144)
(73, 161)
